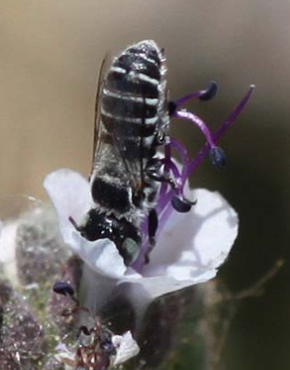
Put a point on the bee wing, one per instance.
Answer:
(98, 128)
(129, 155)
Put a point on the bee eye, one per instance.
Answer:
(131, 249)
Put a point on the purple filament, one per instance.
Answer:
(206, 94)
(184, 114)
(186, 98)
(182, 152)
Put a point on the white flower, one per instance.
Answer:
(189, 250)
(126, 348)
(8, 251)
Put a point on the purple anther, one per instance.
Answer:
(181, 205)
(210, 92)
(108, 346)
(63, 287)
(204, 95)
(217, 157)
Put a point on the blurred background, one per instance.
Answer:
(51, 52)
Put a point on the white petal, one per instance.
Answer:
(126, 347)
(192, 246)
(70, 194)
(101, 255)
(8, 251)
(65, 356)
(8, 242)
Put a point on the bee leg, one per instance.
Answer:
(152, 225)
(162, 178)
(160, 138)
(152, 228)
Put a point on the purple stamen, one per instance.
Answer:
(164, 207)
(203, 153)
(221, 131)
(207, 94)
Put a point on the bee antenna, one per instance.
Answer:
(73, 222)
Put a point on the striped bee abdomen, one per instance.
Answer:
(133, 98)
(110, 195)
(129, 106)
(137, 71)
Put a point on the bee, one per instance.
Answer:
(131, 122)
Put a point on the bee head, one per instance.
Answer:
(99, 225)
